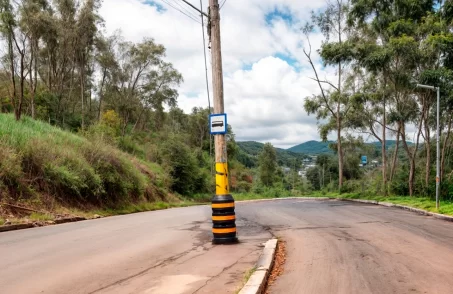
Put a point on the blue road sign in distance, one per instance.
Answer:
(364, 159)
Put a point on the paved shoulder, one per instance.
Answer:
(156, 252)
(344, 247)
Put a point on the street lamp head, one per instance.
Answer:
(426, 87)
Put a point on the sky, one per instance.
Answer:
(266, 75)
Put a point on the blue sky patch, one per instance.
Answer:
(289, 59)
(277, 13)
(247, 66)
(158, 6)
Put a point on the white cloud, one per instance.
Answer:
(264, 95)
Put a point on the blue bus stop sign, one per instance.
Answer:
(364, 159)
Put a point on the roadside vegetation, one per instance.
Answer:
(90, 123)
(380, 52)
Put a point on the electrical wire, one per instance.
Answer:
(185, 9)
(191, 17)
(207, 81)
(224, 1)
(205, 58)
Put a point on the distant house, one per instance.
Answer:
(286, 170)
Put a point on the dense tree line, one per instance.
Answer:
(380, 51)
(60, 67)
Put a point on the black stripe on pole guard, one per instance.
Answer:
(222, 199)
(224, 225)
(227, 237)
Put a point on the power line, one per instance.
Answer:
(184, 8)
(207, 80)
(223, 3)
(195, 8)
(191, 17)
(205, 59)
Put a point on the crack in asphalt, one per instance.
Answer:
(161, 263)
(223, 270)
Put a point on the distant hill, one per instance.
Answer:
(249, 151)
(388, 144)
(317, 147)
(312, 147)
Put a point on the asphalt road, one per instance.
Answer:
(161, 252)
(345, 247)
(332, 247)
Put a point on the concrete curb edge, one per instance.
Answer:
(15, 227)
(257, 281)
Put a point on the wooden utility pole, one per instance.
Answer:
(223, 214)
(217, 76)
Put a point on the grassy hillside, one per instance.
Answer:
(249, 151)
(43, 166)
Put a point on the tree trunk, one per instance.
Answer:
(411, 177)
(22, 84)
(411, 162)
(427, 148)
(101, 93)
(395, 155)
(82, 88)
(384, 151)
(444, 147)
(138, 119)
(340, 148)
(12, 71)
(340, 155)
(411, 155)
(33, 76)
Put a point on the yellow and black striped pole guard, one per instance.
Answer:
(223, 214)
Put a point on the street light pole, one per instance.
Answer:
(437, 140)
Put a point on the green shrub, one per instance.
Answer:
(352, 186)
(244, 187)
(10, 165)
(120, 179)
(128, 145)
(182, 165)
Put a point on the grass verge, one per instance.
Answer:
(36, 216)
(246, 277)
(446, 207)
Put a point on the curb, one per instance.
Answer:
(257, 281)
(416, 210)
(15, 227)
(8, 228)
